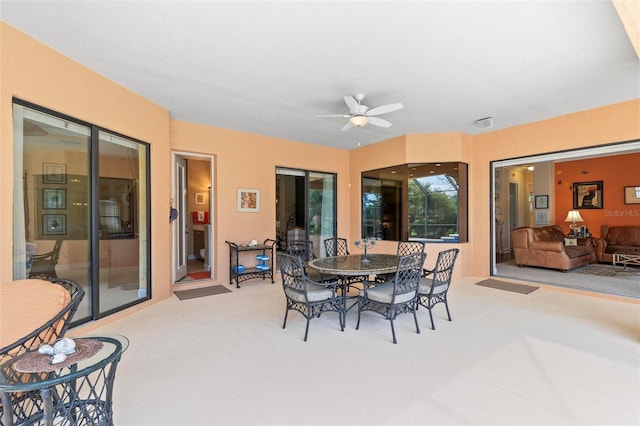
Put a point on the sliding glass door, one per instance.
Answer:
(80, 209)
(305, 207)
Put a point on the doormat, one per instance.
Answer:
(504, 285)
(200, 275)
(201, 292)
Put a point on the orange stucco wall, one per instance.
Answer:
(608, 124)
(33, 72)
(244, 160)
(615, 172)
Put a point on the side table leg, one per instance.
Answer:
(48, 406)
(7, 410)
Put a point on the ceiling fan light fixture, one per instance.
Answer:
(358, 121)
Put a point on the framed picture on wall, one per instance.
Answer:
(54, 173)
(542, 201)
(248, 200)
(588, 195)
(632, 194)
(54, 224)
(542, 217)
(199, 198)
(53, 198)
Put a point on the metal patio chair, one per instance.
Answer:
(310, 298)
(396, 296)
(434, 290)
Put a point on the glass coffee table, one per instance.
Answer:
(626, 257)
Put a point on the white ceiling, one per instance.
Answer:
(271, 67)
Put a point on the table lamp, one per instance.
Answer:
(573, 216)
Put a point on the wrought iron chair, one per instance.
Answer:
(44, 265)
(23, 406)
(404, 248)
(340, 247)
(303, 250)
(434, 290)
(306, 296)
(397, 296)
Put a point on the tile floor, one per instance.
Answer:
(548, 358)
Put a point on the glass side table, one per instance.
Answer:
(77, 391)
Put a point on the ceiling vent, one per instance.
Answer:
(484, 123)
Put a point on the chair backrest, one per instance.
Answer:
(292, 274)
(34, 312)
(44, 265)
(303, 249)
(409, 247)
(336, 247)
(443, 270)
(408, 274)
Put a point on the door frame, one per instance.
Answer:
(185, 155)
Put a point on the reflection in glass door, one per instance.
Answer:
(80, 209)
(122, 221)
(305, 207)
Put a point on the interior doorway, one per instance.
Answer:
(192, 220)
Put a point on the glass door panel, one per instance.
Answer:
(51, 205)
(122, 221)
(68, 221)
(322, 209)
(305, 207)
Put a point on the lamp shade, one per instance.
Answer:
(359, 120)
(574, 216)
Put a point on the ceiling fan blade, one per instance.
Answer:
(351, 103)
(385, 109)
(379, 122)
(346, 127)
(334, 115)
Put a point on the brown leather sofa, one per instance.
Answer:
(545, 247)
(615, 239)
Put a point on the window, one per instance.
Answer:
(425, 201)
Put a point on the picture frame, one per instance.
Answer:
(54, 224)
(248, 200)
(542, 217)
(199, 197)
(632, 194)
(54, 198)
(54, 173)
(588, 195)
(542, 201)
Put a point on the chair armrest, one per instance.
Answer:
(555, 246)
(600, 245)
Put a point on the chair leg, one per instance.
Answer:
(306, 331)
(433, 326)
(393, 332)
(286, 312)
(359, 310)
(415, 318)
(446, 305)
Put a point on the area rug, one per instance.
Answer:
(508, 286)
(201, 292)
(604, 270)
(200, 275)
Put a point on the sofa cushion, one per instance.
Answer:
(548, 233)
(624, 236)
(26, 305)
(577, 251)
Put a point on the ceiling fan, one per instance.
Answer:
(359, 114)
